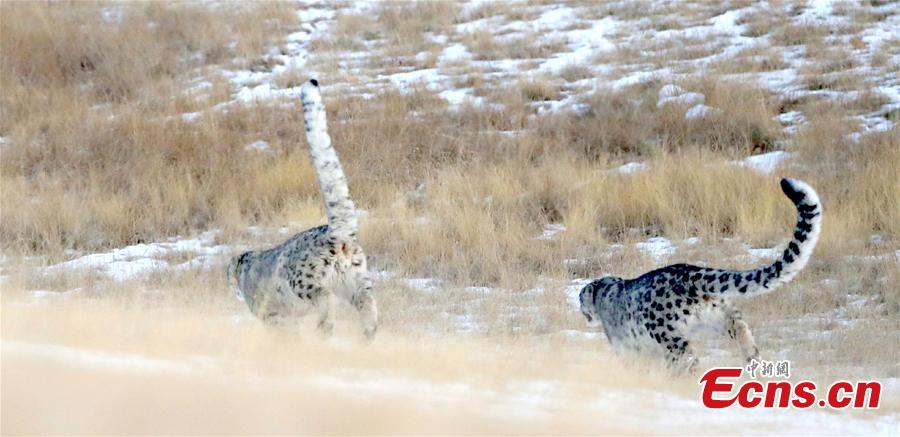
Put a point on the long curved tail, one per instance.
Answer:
(793, 259)
(339, 207)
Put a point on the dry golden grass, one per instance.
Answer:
(398, 28)
(575, 72)
(97, 182)
(351, 31)
(538, 89)
(628, 121)
(487, 46)
(754, 59)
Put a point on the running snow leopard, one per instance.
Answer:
(656, 312)
(304, 273)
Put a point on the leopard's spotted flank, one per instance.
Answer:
(304, 273)
(656, 311)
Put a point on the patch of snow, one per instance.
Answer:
(385, 275)
(113, 14)
(670, 90)
(727, 22)
(464, 322)
(480, 290)
(42, 295)
(260, 230)
(767, 254)
(137, 260)
(581, 335)
(764, 163)
(454, 53)
(791, 117)
(629, 168)
(657, 247)
(550, 231)
(573, 290)
(423, 284)
(429, 77)
(264, 92)
(556, 18)
(583, 43)
(701, 111)
(311, 14)
(190, 117)
(686, 99)
(258, 146)
(199, 86)
(456, 98)
(818, 9)
(574, 262)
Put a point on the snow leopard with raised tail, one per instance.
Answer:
(304, 273)
(657, 311)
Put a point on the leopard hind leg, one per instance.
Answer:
(739, 331)
(364, 301)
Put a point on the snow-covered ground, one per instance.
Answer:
(585, 40)
(132, 261)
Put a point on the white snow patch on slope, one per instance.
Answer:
(557, 18)
(573, 290)
(259, 146)
(701, 111)
(682, 99)
(727, 22)
(820, 9)
(190, 117)
(550, 231)
(406, 81)
(453, 53)
(767, 254)
(764, 163)
(657, 247)
(456, 98)
(630, 167)
(264, 92)
(133, 261)
(423, 284)
(669, 91)
(583, 43)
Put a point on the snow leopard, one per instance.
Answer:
(656, 312)
(303, 274)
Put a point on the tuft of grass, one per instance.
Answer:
(575, 72)
(538, 90)
(351, 32)
(405, 24)
(486, 46)
(794, 34)
(628, 121)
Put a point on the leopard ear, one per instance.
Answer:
(594, 295)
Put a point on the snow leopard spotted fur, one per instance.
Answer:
(304, 273)
(657, 311)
